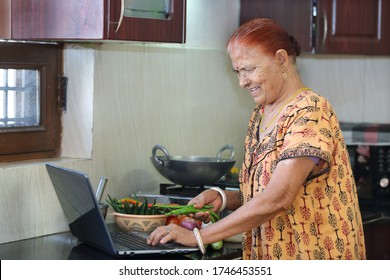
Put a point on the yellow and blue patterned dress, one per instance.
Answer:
(324, 221)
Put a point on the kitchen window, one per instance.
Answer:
(19, 98)
(30, 116)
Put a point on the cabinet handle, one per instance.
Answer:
(121, 16)
(325, 29)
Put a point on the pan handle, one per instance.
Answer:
(226, 147)
(165, 152)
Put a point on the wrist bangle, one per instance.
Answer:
(199, 240)
(223, 195)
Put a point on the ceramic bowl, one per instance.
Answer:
(144, 223)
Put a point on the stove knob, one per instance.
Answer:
(384, 182)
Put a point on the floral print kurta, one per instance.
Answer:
(324, 220)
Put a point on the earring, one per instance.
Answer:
(284, 73)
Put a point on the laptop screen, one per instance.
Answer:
(75, 200)
(86, 222)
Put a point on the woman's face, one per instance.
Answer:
(257, 72)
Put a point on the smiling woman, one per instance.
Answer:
(245, 71)
(30, 119)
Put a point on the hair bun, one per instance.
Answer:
(295, 44)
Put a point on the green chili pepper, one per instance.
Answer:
(213, 216)
(151, 210)
(143, 208)
(188, 209)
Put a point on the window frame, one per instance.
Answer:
(43, 141)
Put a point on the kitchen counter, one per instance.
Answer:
(64, 246)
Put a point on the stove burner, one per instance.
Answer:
(185, 191)
(178, 190)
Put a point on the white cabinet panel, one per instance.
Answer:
(377, 90)
(340, 79)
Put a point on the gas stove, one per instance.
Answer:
(185, 191)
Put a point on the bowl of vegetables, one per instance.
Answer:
(133, 214)
(130, 222)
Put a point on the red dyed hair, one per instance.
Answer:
(265, 34)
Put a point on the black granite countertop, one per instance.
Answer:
(64, 246)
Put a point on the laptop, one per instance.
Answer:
(86, 222)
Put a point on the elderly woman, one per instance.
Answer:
(298, 197)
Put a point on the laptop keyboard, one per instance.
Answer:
(133, 241)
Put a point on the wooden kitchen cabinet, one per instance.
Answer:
(377, 239)
(94, 20)
(329, 26)
(353, 27)
(5, 19)
(294, 16)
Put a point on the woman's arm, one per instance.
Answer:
(233, 200)
(282, 189)
(288, 178)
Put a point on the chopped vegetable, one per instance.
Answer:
(189, 223)
(217, 245)
(129, 200)
(172, 220)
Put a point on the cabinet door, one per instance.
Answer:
(93, 20)
(353, 26)
(170, 28)
(294, 16)
(58, 19)
(5, 19)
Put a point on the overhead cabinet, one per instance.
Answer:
(130, 20)
(5, 19)
(353, 26)
(329, 26)
(294, 16)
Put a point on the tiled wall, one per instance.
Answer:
(357, 86)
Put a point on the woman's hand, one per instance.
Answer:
(207, 197)
(172, 232)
